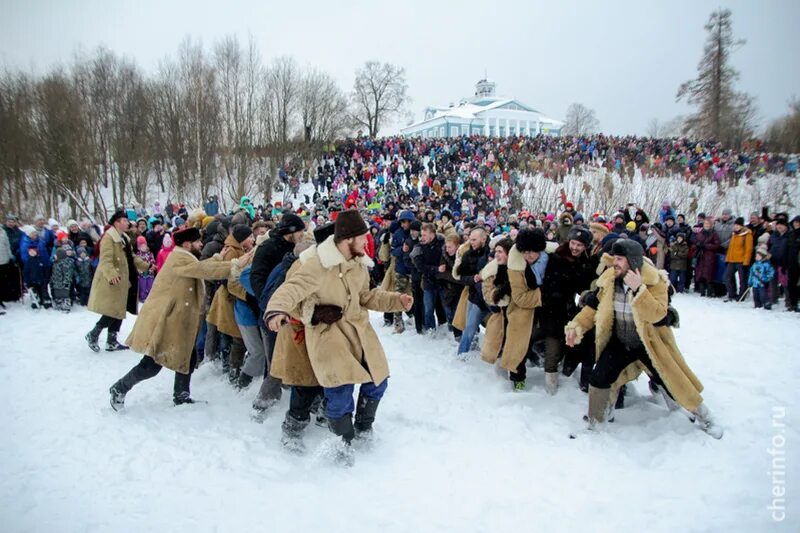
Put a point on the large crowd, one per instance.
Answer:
(440, 252)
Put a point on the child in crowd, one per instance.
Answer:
(166, 247)
(145, 278)
(35, 276)
(62, 280)
(85, 274)
(761, 274)
(678, 262)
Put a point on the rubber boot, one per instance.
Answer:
(365, 417)
(292, 434)
(112, 345)
(92, 337)
(244, 380)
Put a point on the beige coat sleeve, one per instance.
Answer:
(380, 300)
(296, 288)
(209, 269)
(581, 323)
(521, 295)
(106, 262)
(650, 303)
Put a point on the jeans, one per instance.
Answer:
(429, 297)
(678, 279)
(474, 318)
(730, 270)
(761, 298)
(340, 399)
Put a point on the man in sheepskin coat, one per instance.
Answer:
(630, 312)
(333, 287)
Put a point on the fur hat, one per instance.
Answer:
(323, 232)
(186, 235)
(631, 250)
(116, 216)
(349, 224)
(531, 240)
(241, 232)
(602, 228)
(581, 234)
(290, 223)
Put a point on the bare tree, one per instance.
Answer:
(580, 120)
(322, 106)
(719, 107)
(783, 134)
(379, 93)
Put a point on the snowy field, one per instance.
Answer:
(455, 449)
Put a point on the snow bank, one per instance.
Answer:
(456, 450)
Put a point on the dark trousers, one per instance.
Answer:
(732, 269)
(793, 291)
(83, 295)
(301, 400)
(113, 324)
(148, 368)
(761, 297)
(615, 357)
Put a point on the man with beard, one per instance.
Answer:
(333, 287)
(630, 310)
(170, 318)
(569, 272)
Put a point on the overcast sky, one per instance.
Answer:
(625, 59)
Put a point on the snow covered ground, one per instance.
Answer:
(456, 450)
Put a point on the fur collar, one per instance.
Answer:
(330, 256)
(489, 270)
(516, 261)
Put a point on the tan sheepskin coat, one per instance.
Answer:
(221, 312)
(105, 298)
(649, 306)
(460, 316)
(496, 321)
(169, 320)
(519, 314)
(347, 351)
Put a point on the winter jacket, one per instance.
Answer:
(38, 243)
(724, 231)
(679, 256)
(761, 273)
(5, 249)
(706, 245)
(14, 238)
(169, 320)
(399, 238)
(154, 241)
(64, 274)
(347, 351)
(472, 262)
(220, 313)
(85, 272)
(35, 271)
(649, 305)
(565, 278)
(740, 249)
(778, 248)
(268, 255)
(427, 261)
(451, 286)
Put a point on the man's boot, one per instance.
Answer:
(706, 421)
(92, 337)
(365, 416)
(244, 380)
(343, 427)
(598, 405)
(119, 389)
(399, 325)
(112, 345)
(292, 434)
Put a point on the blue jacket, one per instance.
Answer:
(40, 245)
(242, 312)
(35, 271)
(761, 273)
(399, 238)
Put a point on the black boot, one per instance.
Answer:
(244, 380)
(112, 345)
(343, 427)
(365, 416)
(117, 397)
(292, 434)
(92, 338)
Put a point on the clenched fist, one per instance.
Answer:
(407, 301)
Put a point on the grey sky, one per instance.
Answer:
(625, 59)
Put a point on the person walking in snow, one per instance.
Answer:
(344, 350)
(170, 319)
(114, 288)
(630, 312)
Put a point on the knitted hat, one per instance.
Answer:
(349, 224)
(241, 232)
(61, 254)
(531, 240)
(140, 240)
(290, 223)
(630, 226)
(602, 228)
(323, 232)
(416, 225)
(631, 250)
(81, 250)
(186, 235)
(406, 215)
(739, 221)
(581, 235)
(762, 251)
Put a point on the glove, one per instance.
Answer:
(326, 314)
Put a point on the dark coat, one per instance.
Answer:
(565, 278)
(778, 246)
(472, 263)
(706, 247)
(399, 237)
(452, 287)
(268, 255)
(427, 261)
(35, 271)
(679, 255)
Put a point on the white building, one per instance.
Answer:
(484, 114)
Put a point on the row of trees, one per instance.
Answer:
(216, 119)
(721, 111)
